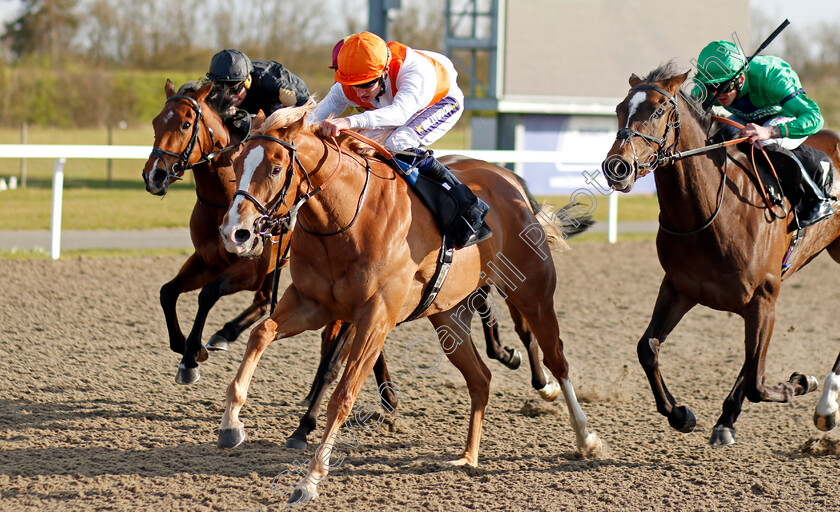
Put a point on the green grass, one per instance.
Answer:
(92, 202)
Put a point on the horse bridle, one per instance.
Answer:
(176, 170)
(666, 154)
(267, 222)
(662, 152)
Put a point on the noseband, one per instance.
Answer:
(267, 223)
(663, 151)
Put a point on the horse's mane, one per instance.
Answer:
(284, 117)
(213, 101)
(669, 70)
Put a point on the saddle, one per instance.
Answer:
(786, 165)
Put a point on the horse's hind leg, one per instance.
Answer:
(458, 346)
(827, 414)
(232, 329)
(508, 356)
(540, 316)
(546, 385)
(759, 316)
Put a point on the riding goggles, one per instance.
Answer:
(713, 89)
(367, 85)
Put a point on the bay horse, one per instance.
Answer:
(717, 242)
(190, 134)
(363, 252)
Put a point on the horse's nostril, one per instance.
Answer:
(618, 169)
(241, 236)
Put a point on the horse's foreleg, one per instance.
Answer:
(232, 329)
(294, 314)
(387, 397)
(334, 340)
(233, 280)
(670, 307)
(759, 317)
(192, 276)
(371, 329)
(827, 414)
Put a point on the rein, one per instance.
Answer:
(267, 222)
(666, 154)
(175, 171)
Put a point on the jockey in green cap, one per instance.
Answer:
(767, 97)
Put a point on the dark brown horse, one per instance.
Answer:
(372, 271)
(718, 243)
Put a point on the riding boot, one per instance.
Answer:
(473, 228)
(814, 206)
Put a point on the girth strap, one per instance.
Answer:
(442, 269)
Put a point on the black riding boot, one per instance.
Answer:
(814, 206)
(473, 228)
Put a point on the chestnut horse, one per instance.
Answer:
(189, 134)
(371, 270)
(718, 244)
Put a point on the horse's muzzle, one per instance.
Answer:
(156, 182)
(620, 173)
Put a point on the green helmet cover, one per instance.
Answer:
(718, 62)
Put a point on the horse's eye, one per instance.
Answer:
(276, 170)
(658, 113)
(186, 125)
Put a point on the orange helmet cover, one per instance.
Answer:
(363, 57)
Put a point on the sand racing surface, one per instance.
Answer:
(92, 419)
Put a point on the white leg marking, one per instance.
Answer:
(828, 401)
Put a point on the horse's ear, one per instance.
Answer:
(635, 80)
(169, 88)
(674, 83)
(258, 120)
(203, 92)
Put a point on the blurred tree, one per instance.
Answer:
(45, 28)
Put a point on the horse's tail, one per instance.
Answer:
(559, 223)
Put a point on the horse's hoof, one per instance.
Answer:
(682, 419)
(808, 382)
(301, 496)
(388, 399)
(515, 358)
(722, 436)
(295, 444)
(202, 354)
(187, 375)
(551, 391)
(826, 422)
(231, 437)
(217, 343)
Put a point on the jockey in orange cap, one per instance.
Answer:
(412, 99)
